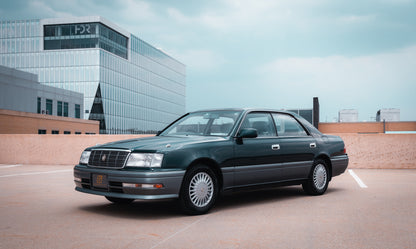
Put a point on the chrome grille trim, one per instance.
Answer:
(108, 158)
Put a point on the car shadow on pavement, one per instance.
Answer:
(160, 209)
(163, 209)
(257, 197)
(263, 196)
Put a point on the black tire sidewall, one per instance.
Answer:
(309, 186)
(184, 198)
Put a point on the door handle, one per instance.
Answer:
(312, 145)
(275, 147)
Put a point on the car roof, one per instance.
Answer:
(245, 110)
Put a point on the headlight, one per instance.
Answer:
(145, 160)
(85, 156)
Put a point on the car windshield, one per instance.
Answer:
(208, 123)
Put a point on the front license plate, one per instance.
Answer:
(99, 181)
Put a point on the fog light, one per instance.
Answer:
(77, 179)
(145, 185)
(131, 185)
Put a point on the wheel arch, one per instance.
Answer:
(327, 160)
(213, 165)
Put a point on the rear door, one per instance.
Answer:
(297, 148)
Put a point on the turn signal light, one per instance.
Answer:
(345, 150)
(158, 185)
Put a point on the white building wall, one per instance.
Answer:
(348, 116)
(388, 114)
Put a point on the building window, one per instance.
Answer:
(39, 105)
(59, 108)
(65, 109)
(77, 133)
(55, 132)
(77, 111)
(67, 132)
(49, 106)
(40, 131)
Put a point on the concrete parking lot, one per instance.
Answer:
(39, 208)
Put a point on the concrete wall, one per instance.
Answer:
(391, 151)
(50, 149)
(388, 151)
(366, 127)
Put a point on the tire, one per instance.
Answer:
(318, 179)
(199, 190)
(122, 201)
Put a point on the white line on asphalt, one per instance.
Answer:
(9, 166)
(178, 232)
(38, 173)
(357, 179)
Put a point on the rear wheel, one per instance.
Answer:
(119, 200)
(318, 179)
(199, 190)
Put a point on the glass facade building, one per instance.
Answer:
(128, 85)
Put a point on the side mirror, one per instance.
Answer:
(247, 133)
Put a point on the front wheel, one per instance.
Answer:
(199, 190)
(318, 179)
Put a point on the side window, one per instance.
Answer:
(262, 122)
(287, 126)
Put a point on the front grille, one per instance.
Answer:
(114, 159)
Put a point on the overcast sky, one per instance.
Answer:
(271, 53)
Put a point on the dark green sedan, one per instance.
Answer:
(207, 152)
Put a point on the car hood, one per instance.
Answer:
(157, 143)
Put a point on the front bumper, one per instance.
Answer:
(339, 164)
(112, 186)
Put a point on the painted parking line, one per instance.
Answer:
(180, 231)
(357, 179)
(37, 173)
(2, 166)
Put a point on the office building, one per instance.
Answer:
(311, 115)
(128, 85)
(20, 91)
(305, 113)
(27, 107)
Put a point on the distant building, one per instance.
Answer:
(311, 115)
(20, 91)
(388, 114)
(129, 86)
(27, 107)
(305, 113)
(348, 116)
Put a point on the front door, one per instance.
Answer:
(256, 159)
